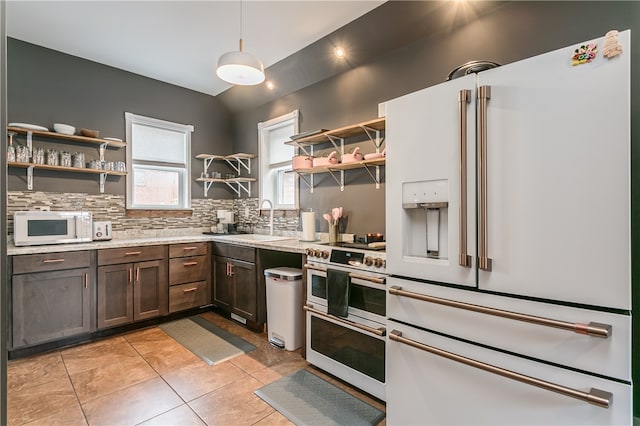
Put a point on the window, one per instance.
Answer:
(275, 160)
(159, 163)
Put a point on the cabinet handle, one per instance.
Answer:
(53, 261)
(596, 397)
(231, 265)
(188, 290)
(190, 248)
(591, 329)
(138, 274)
(130, 275)
(86, 280)
(484, 262)
(132, 253)
(190, 263)
(463, 99)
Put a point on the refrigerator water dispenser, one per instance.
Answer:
(425, 219)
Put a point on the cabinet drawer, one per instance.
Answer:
(51, 261)
(187, 249)
(188, 269)
(187, 296)
(609, 356)
(247, 254)
(131, 254)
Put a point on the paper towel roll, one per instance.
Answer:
(308, 226)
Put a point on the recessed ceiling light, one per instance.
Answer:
(270, 85)
(339, 52)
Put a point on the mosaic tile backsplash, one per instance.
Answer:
(112, 207)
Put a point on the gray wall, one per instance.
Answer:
(46, 87)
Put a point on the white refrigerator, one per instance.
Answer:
(508, 244)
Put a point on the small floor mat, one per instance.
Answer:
(306, 399)
(208, 341)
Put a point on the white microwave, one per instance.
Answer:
(47, 227)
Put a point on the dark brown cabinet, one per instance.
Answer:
(132, 285)
(235, 281)
(50, 297)
(189, 276)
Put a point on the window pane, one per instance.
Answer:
(286, 188)
(156, 186)
(278, 151)
(155, 144)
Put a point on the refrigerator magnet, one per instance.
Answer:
(584, 54)
(611, 47)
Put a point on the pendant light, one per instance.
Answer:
(240, 67)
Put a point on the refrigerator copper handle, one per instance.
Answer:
(464, 97)
(600, 398)
(591, 329)
(377, 331)
(376, 280)
(484, 262)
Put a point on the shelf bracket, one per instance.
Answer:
(334, 140)
(240, 163)
(207, 186)
(103, 179)
(30, 143)
(304, 149)
(30, 177)
(102, 149)
(377, 140)
(207, 163)
(338, 181)
(376, 178)
(309, 182)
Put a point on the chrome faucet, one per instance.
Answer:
(270, 214)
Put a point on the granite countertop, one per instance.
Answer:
(292, 245)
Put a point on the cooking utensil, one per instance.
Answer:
(353, 156)
(327, 217)
(302, 162)
(326, 161)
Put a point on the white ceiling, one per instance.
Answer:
(178, 42)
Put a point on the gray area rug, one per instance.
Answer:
(206, 340)
(306, 399)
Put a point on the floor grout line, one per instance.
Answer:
(75, 392)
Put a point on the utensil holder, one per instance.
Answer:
(333, 234)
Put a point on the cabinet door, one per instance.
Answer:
(221, 282)
(245, 289)
(50, 305)
(150, 290)
(115, 295)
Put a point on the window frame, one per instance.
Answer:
(185, 186)
(266, 166)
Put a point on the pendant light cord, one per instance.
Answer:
(241, 25)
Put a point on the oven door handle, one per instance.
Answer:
(596, 397)
(353, 275)
(377, 331)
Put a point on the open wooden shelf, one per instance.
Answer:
(341, 133)
(341, 166)
(73, 138)
(64, 169)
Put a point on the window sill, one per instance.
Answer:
(159, 213)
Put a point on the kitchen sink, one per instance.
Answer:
(255, 237)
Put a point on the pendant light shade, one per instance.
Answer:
(241, 68)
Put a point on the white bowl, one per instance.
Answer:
(64, 129)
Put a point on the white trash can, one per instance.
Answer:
(284, 307)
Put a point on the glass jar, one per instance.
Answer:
(22, 154)
(78, 159)
(52, 157)
(38, 155)
(65, 158)
(11, 153)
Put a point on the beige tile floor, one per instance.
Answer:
(146, 377)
